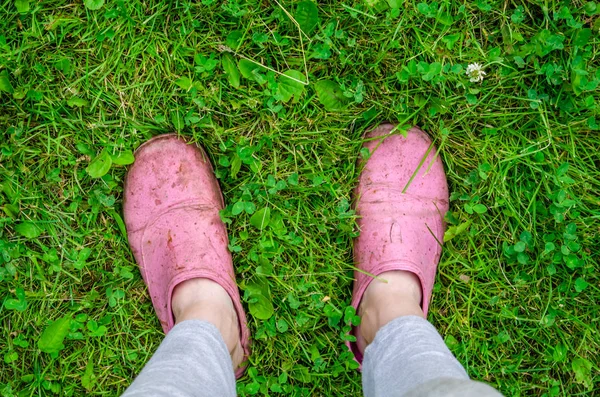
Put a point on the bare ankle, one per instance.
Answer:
(192, 296)
(203, 299)
(392, 295)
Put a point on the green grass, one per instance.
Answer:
(517, 290)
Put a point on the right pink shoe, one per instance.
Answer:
(402, 197)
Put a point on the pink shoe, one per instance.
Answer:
(401, 211)
(171, 207)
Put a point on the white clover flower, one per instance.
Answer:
(475, 72)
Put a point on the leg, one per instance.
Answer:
(402, 197)
(405, 355)
(191, 361)
(198, 355)
(171, 209)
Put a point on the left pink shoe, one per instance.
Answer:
(171, 208)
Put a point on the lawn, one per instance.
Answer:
(280, 93)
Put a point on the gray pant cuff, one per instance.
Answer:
(407, 352)
(192, 361)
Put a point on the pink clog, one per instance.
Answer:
(171, 206)
(402, 196)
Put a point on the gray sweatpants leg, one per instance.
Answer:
(192, 360)
(409, 358)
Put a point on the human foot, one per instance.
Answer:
(171, 209)
(391, 295)
(203, 299)
(402, 196)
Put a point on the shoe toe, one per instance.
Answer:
(167, 171)
(408, 164)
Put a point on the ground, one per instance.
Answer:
(280, 94)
